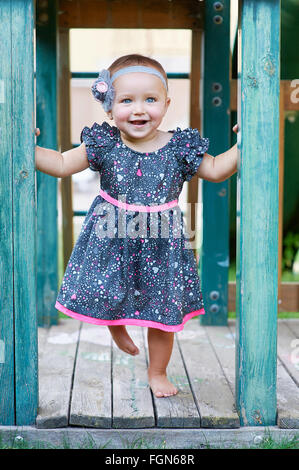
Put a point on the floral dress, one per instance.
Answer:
(131, 264)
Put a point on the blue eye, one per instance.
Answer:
(126, 100)
(152, 100)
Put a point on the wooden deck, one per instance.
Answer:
(86, 381)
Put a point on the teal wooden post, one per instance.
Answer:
(46, 120)
(216, 126)
(7, 398)
(257, 211)
(18, 332)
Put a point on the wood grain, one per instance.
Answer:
(57, 349)
(46, 112)
(179, 410)
(131, 14)
(7, 398)
(257, 212)
(24, 211)
(132, 400)
(210, 387)
(91, 395)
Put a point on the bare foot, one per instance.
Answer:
(123, 340)
(160, 385)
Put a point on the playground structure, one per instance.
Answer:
(29, 208)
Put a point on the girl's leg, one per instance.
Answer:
(160, 345)
(123, 340)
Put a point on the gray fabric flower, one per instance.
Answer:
(103, 90)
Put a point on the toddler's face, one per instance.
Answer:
(139, 106)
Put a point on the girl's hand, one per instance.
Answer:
(37, 131)
(236, 128)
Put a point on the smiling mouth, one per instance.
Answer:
(138, 122)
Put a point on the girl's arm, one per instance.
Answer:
(61, 164)
(219, 168)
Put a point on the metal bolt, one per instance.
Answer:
(43, 17)
(217, 19)
(218, 6)
(217, 87)
(214, 295)
(217, 101)
(214, 308)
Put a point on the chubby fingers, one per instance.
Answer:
(236, 128)
(37, 131)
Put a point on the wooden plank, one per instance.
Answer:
(216, 126)
(64, 138)
(293, 325)
(257, 211)
(24, 212)
(223, 343)
(91, 395)
(287, 347)
(287, 393)
(210, 387)
(132, 400)
(289, 297)
(7, 395)
(131, 14)
(287, 399)
(42, 334)
(160, 438)
(57, 350)
(179, 410)
(46, 111)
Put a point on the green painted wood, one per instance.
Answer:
(46, 121)
(257, 211)
(7, 405)
(24, 212)
(216, 125)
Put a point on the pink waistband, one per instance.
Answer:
(139, 207)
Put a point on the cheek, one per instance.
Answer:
(157, 112)
(120, 113)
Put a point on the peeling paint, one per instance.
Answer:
(222, 193)
(268, 63)
(224, 263)
(257, 417)
(244, 417)
(252, 81)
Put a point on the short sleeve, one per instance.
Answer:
(191, 148)
(99, 140)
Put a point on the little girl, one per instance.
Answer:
(119, 274)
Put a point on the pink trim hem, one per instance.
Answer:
(128, 321)
(135, 207)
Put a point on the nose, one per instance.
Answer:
(138, 107)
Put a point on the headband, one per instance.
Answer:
(103, 90)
